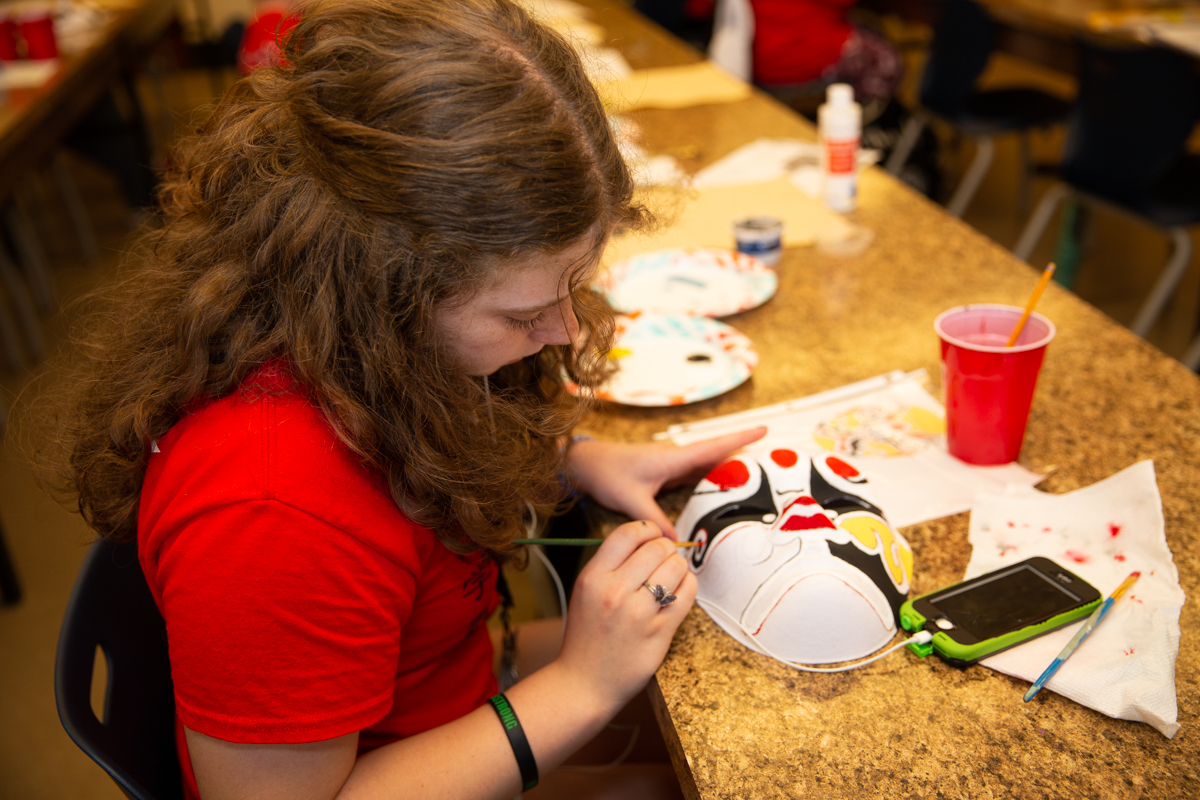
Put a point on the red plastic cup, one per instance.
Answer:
(37, 29)
(8, 40)
(989, 387)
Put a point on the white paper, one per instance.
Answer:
(1183, 36)
(769, 159)
(924, 484)
(605, 63)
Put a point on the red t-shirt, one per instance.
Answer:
(301, 604)
(797, 40)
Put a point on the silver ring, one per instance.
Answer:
(660, 594)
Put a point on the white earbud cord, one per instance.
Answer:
(634, 729)
(922, 637)
(531, 532)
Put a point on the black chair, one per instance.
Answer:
(962, 44)
(1126, 153)
(10, 587)
(111, 607)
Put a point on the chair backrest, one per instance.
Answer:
(962, 44)
(111, 606)
(1134, 113)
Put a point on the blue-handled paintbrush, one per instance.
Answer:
(1076, 640)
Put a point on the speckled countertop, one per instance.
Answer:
(744, 726)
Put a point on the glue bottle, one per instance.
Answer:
(839, 125)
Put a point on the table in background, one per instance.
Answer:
(33, 122)
(741, 725)
(1041, 31)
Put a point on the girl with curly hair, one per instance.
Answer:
(333, 396)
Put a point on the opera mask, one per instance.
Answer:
(794, 561)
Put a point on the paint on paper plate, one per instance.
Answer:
(705, 282)
(878, 430)
(667, 360)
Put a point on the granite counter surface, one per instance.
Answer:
(744, 726)
(749, 727)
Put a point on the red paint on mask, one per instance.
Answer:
(841, 468)
(729, 475)
(784, 458)
(801, 523)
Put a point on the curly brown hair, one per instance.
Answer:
(327, 209)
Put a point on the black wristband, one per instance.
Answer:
(516, 738)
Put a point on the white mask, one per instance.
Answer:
(795, 562)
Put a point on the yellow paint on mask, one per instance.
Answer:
(864, 529)
(874, 532)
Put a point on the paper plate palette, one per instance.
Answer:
(668, 360)
(705, 282)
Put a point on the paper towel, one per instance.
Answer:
(1126, 667)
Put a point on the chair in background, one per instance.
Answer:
(10, 587)
(29, 347)
(26, 285)
(1192, 357)
(111, 607)
(1126, 153)
(962, 45)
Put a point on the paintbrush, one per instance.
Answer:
(1095, 619)
(1047, 273)
(584, 542)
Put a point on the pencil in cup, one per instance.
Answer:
(1047, 274)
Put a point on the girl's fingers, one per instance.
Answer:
(638, 568)
(685, 597)
(687, 590)
(622, 543)
(645, 507)
(669, 575)
(710, 451)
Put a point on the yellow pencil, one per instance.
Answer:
(1047, 274)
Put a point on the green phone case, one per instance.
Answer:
(962, 655)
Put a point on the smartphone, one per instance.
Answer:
(982, 616)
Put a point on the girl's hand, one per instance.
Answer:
(617, 633)
(626, 477)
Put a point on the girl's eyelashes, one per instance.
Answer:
(524, 325)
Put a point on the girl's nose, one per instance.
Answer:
(561, 325)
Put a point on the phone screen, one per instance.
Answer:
(1009, 600)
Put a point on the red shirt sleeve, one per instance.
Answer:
(281, 627)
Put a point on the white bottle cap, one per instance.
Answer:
(840, 94)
